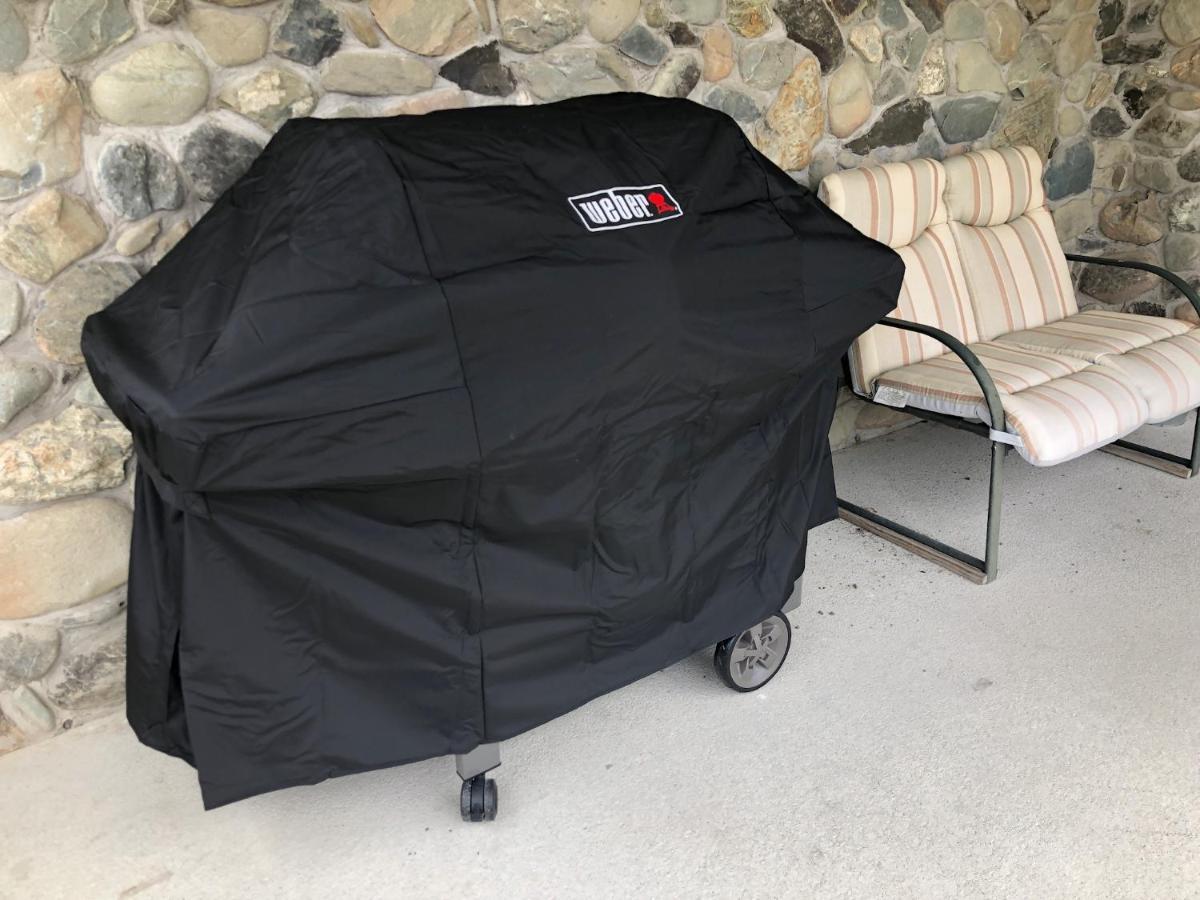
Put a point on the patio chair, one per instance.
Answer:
(988, 335)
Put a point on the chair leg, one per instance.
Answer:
(980, 571)
(1172, 464)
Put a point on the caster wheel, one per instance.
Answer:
(479, 799)
(749, 660)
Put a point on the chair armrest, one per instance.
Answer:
(963, 352)
(1184, 288)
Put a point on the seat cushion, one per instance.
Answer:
(1071, 416)
(1096, 334)
(946, 385)
(1166, 373)
(1060, 407)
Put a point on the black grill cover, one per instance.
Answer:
(428, 455)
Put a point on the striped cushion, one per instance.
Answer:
(900, 204)
(1167, 373)
(1059, 406)
(1097, 334)
(991, 187)
(934, 292)
(1016, 272)
(1071, 416)
(946, 385)
(892, 203)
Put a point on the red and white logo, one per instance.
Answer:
(624, 207)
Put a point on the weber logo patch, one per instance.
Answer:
(624, 207)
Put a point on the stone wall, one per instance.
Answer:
(121, 120)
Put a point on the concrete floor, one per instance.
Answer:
(1039, 737)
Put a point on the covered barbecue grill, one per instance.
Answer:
(448, 424)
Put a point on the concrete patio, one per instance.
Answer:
(927, 738)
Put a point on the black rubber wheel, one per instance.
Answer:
(479, 800)
(747, 661)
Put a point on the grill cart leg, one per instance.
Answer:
(747, 661)
(478, 801)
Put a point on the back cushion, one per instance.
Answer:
(1015, 268)
(900, 204)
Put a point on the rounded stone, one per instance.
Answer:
(1180, 21)
(28, 711)
(309, 32)
(965, 119)
(270, 97)
(766, 64)
(164, 12)
(899, 124)
(1073, 218)
(1133, 219)
(736, 104)
(11, 305)
(717, 52)
(26, 653)
(91, 670)
(749, 18)
(371, 74)
(1185, 65)
(1155, 173)
(1186, 101)
(795, 120)
(77, 30)
(867, 39)
(1070, 170)
(608, 18)
(811, 24)
(229, 39)
(159, 84)
(964, 20)
(1004, 29)
(39, 131)
(1107, 122)
(1077, 46)
(931, 76)
(678, 77)
(430, 29)
(1181, 252)
(535, 25)
(975, 70)
(640, 43)
(361, 25)
(1070, 121)
(214, 158)
(1168, 129)
(1183, 214)
(58, 556)
(76, 452)
(52, 231)
(1033, 61)
(14, 38)
(907, 48)
(136, 179)
(575, 72)
(75, 295)
(136, 238)
(697, 12)
(1189, 165)
(20, 384)
(478, 69)
(849, 98)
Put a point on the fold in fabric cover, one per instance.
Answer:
(448, 424)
